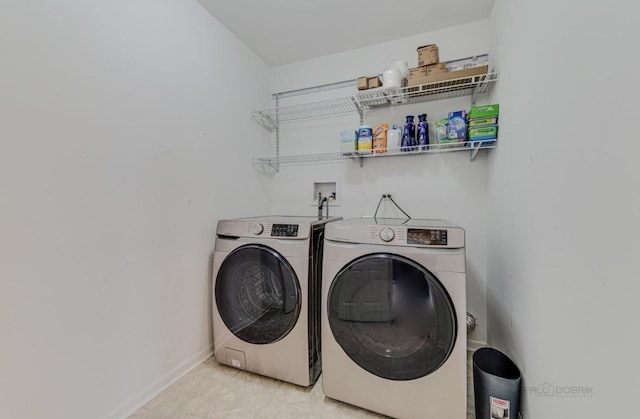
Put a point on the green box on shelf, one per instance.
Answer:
(483, 133)
(482, 122)
(485, 111)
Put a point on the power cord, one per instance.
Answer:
(388, 196)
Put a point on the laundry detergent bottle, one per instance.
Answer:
(423, 132)
(409, 134)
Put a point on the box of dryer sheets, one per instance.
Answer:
(428, 54)
(485, 111)
(479, 122)
(483, 136)
(483, 133)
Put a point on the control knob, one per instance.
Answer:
(387, 234)
(257, 229)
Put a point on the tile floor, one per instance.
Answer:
(216, 391)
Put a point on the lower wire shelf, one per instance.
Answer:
(302, 159)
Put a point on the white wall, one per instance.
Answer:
(124, 134)
(564, 230)
(437, 186)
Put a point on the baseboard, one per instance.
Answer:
(136, 402)
(474, 345)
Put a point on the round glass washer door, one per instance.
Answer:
(257, 294)
(392, 316)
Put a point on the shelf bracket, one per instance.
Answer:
(264, 119)
(359, 160)
(474, 94)
(358, 107)
(270, 121)
(474, 149)
(482, 86)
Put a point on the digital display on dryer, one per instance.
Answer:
(284, 230)
(427, 237)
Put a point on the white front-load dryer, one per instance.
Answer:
(266, 296)
(393, 317)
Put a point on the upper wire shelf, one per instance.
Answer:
(369, 99)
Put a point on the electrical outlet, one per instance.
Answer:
(386, 208)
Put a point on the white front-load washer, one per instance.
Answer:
(393, 316)
(266, 296)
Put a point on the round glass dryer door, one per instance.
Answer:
(392, 316)
(257, 294)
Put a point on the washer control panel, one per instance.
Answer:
(284, 230)
(427, 237)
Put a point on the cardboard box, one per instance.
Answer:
(457, 125)
(380, 138)
(479, 122)
(465, 76)
(374, 82)
(363, 83)
(475, 61)
(428, 54)
(417, 72)
(441, 130)
(483, 133)
(434, 69)
(365, 139)
(486, 111)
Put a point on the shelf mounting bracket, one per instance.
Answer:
(474, 149)
(358, 107)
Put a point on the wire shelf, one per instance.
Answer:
(472, 147)
(369, 99)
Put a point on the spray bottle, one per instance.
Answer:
(423, 132)
(409, 134)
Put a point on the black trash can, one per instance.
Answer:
(496, 385)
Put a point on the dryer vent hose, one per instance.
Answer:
(471, 323)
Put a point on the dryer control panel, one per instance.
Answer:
(427, 237)
(390, 232)
(284, 230)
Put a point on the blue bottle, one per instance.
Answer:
(409, 134)
(423, 132)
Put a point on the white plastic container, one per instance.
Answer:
(348, 141)
(392, 78)
(394, 140)
(365, 139)
(403, 67)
